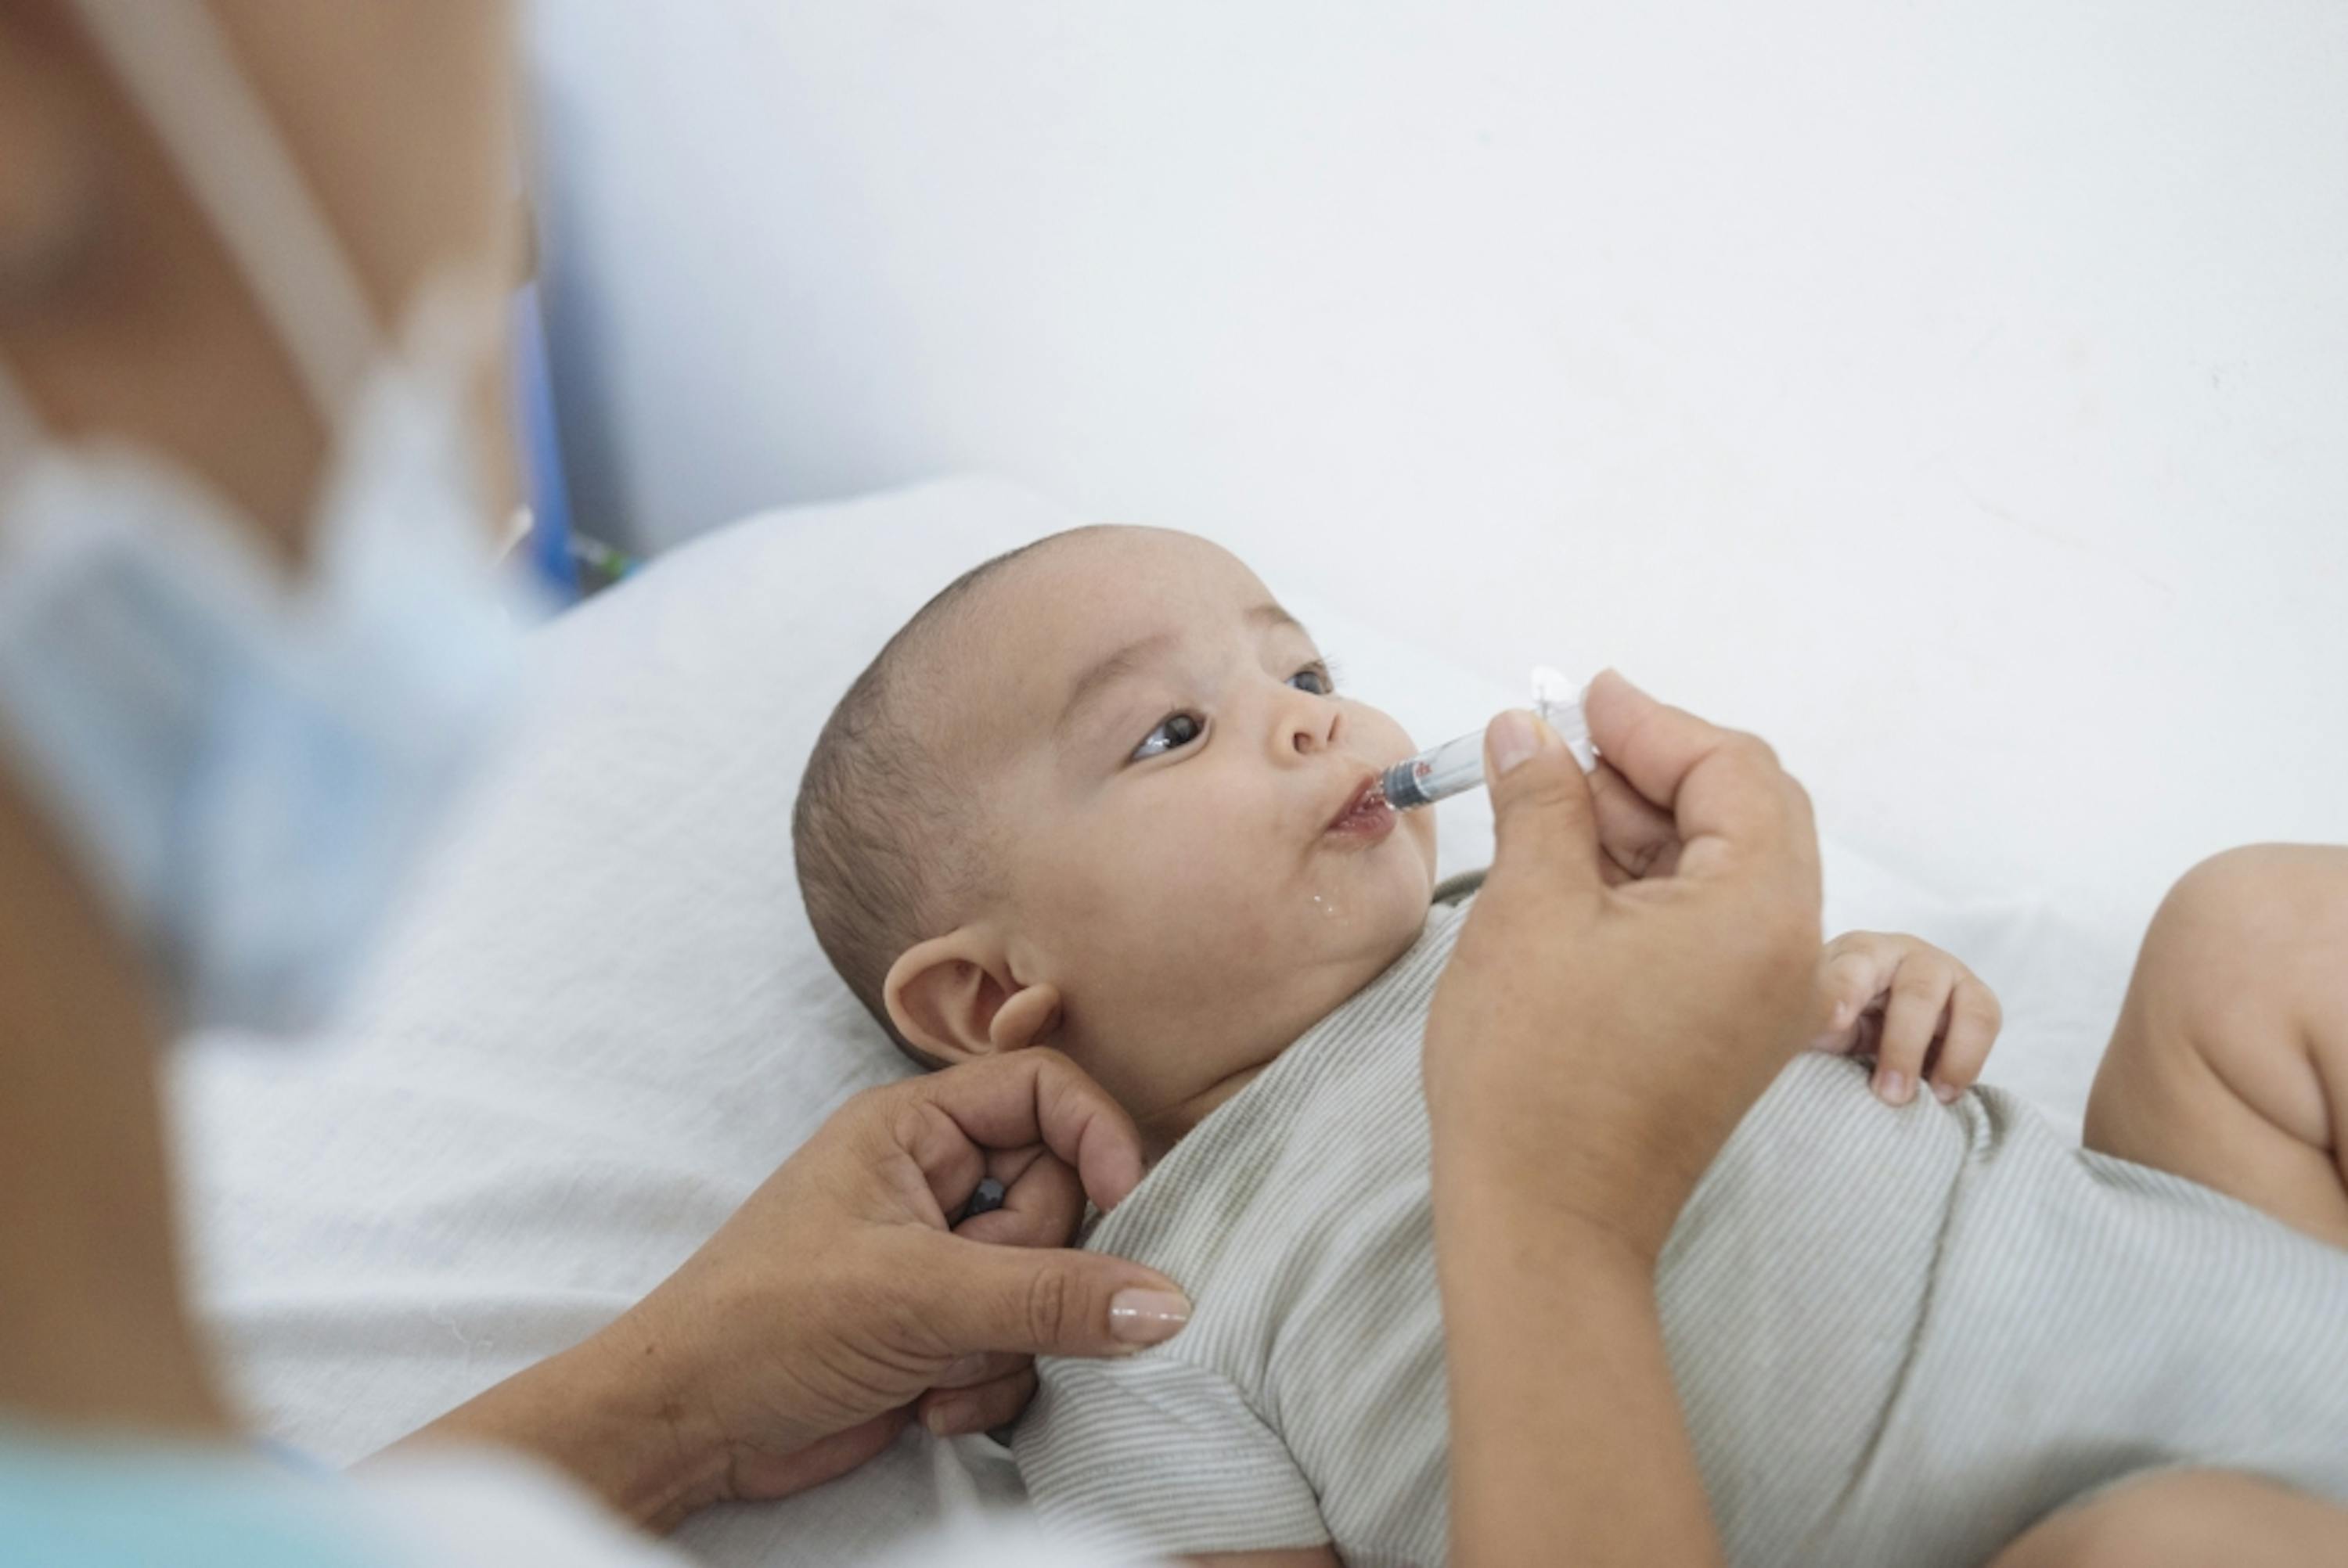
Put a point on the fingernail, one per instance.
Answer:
(1894, 1087)
(945, 1418)
(1841, 1014)
(962, 1372)
(1147, 1316)
(1514, 738)
(1946, 1093)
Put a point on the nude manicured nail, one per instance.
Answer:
(1514, 738)
(1147, 1316)
(1946, 1092)
(1894, 1087)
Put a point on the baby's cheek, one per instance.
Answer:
(1232, 894)
(1163, 886)
(1420, 825)
(1378, 732)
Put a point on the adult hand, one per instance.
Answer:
(1632, 976)
(1638, 968)
(839, 1301)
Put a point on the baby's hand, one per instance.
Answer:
(1912, 1007)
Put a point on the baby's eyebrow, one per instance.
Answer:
(1095, 682)
(1271, 615)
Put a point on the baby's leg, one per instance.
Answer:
(2187, 1519)
(2229, 1064)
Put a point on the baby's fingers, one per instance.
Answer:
(1975, 1019)
(1852, 976)
(1920, 1000)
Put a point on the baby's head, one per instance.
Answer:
(1085, 799)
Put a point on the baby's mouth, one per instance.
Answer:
(1365, 813)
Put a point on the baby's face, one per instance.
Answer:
(1171, 774)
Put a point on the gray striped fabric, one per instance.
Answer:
(1900, 1335)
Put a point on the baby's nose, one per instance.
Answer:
(1313, 732)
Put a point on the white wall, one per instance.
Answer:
(1955, 393)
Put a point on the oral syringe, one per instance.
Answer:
(1443, 770)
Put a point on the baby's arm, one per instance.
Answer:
(1923, 1016)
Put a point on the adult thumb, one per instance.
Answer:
(1543, 820)
(1051, 1301)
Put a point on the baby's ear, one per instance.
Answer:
(953, 996)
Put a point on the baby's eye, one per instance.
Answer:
(1316, 679)
(1173, 733)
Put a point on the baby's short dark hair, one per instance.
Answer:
(881, 833)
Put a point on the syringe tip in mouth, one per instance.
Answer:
(1398, 788)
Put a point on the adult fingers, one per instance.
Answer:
(980, 1409)
(1042, 1301)
(759, 1476)
(1723, 788)
(980, 1367)
(1637, 837)
(1975, 1018)
(1542, 817)
(1920, 999)
(1023, 1098)
(1043, 1203)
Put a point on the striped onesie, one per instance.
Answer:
(1899, 1335)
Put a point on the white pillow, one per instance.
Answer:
(604, 1019)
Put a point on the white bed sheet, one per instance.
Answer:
(603, 1020)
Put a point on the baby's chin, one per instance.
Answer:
(1369, 918)
(1346, 943)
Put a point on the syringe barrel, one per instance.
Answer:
(1434, 774)
(1446, 769)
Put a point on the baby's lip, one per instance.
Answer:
(1353, 801)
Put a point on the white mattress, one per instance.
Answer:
(603, 1020)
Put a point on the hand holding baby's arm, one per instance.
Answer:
(1922, 1015)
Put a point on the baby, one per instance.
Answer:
(1102, 795)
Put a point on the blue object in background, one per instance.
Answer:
(532, 392)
